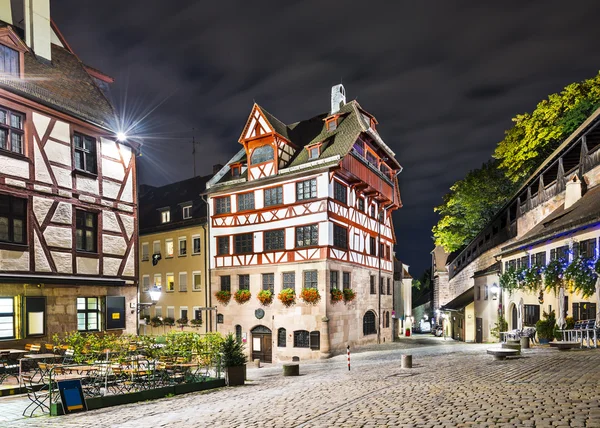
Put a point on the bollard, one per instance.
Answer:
(348, 348)
(291, 370)
(525, 342)
(407, 361)
(257, 363)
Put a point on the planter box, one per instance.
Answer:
(234, 376)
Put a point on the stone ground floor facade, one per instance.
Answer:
(451, 384)
(277, 333)
(35, 312)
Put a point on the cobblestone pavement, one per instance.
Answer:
(450, 385)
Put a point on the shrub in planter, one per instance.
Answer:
(581, 274)
(310, 295)
(223, 296)
(196, 323)
(265, 297)
(242, 296)
(156, 322)
(169, 321)
(287, 297)
(545, 327)
(349, 295)
(182, 322)
(553, 275)
(233, 360)
(336, 295)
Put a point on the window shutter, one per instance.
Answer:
(315, 340)
(576, 311)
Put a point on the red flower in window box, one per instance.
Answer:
(349, 295)
(287, 297)
(223, 296)
(310, 295)
(336, 295)
(265, 297)
(242, 296)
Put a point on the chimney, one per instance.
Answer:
(38, 34)
(338, 98)
(573, 191)
(217, 167)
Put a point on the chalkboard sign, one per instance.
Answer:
(71, 396)
(115, 312)
(35, 316)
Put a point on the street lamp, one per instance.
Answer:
(495, 290)
(155, 293)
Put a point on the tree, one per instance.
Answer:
(535, 135)
(470, 205)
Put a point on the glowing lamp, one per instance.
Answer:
(121, 136)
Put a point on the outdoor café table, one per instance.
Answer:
(13, 351)
(184, 370)
(35, 357)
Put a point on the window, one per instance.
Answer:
(372, 246)
(170, 280)
(281, 337)
(274, 240)
(182, 246)
(7, 318)
(183, 312)
(584, 311)
(171, 312)
(346, 280)
(339, 192)
(223, 205)
(196, 244)
(381, 286)
(313, 152)
(306, 189)
(340, 237)
(373, 211)
(307, 236)
(225, 283)
(88, 314)
(145, 252)
(372, 288)
(244, 243)
(85, 153)
(197, 313)
(532, 315)
(387, 319)
(236, 170)
(274, 196)
(333, 280)
(587, 249)
(169, 248)
(485, 292)
(11, 131)
(371, 158)
(361, 205)
(156, 247)
(9, 61)
(86, 232)
(301, 339)
(262, 154)
(158, 279)
(244, 282)
(560, 253)
(222, 245)
(289, 280)
(238, 333)
(389, 287)
(197, 278)
(268, 282)
(539, 259)
(315, 340)
(158, 311)
(369, 323)
(331, 124)
(165, 216)
(245, 201)
(187, 211)
(182, 281)
(310, 279)
(146, 283)
(13, 219)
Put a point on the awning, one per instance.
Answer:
(460, 301)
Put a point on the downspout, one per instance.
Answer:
(207, 296)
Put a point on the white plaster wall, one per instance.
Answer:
(58, 237)
(14, 260)
(87, 266)
(16, 167)
(58, 152)
(86, 184)
(63, 262)
(61, 132)
(113, 169)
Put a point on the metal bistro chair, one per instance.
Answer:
(590, 332)
(8, 366)
(38, 394)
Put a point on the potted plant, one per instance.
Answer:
(265, 297)
(168, 321)
(242, 296)
(310, 295)
(582, 276)
(336, 295)
(287, 297)
(545, 328)
(349, 295)
(196, 323)
(156, 322)
(223, 296)
(182, 322)
(233, 359)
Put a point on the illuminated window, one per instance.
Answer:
(262, 154)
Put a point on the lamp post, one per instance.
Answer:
(155, 293)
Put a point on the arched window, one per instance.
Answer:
(238, 333)
(369, 323)
(301, 339)
(262, 154)
(387, 319)
(281, 337)
(220, 319)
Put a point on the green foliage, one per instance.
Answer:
(570, 323)
(156, 322)
(349, 295)
(545, 327)
(470, 205)
(182, 321)
(287, 296)
(509, 280)
(242, 296)
(582, 276)
(233, 352)
(535, 135)
(196, 323)
(532, 278)
(500, 326)
(336, 295)
(553, 274)
(169, 321)
(265, 297)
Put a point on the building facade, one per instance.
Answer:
(302, 207)
(173, 256)
(67, 189)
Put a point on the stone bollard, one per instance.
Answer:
(291, 370)
(257, 363)
(525, 342)
(407, 361)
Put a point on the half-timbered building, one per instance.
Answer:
(67, 188)
(306, 206)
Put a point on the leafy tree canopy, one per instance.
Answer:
(535, 135)
(470, 205)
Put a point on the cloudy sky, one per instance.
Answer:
(443, 78)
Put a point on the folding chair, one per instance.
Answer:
(8, 367)
(37, 394)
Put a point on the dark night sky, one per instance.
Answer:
(443, 78)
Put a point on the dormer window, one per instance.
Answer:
(165, 215)
(331, 123)
(314, 151)
(236, 170)
(9, 62)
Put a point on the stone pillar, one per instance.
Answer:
(325, 344)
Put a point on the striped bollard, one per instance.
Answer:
(348, 348)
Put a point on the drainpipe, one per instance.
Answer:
(207, 296)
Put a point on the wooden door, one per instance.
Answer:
(262, 345)
(514, 317)
(479, 330)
